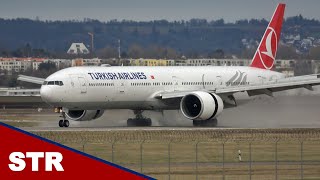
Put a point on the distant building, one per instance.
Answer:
(78, 48)
(306, 43)
(315, 64)
(152, 62)
(86, 62)
(35, 64)
(288, 71)
(20, 64)
(213, 62)
(60, 63)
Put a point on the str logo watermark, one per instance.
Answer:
(52, 159)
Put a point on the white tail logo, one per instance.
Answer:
(265, 55)
(268, 47)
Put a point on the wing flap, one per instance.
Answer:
(256, 89)
(280, 85)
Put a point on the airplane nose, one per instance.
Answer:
(46, 93)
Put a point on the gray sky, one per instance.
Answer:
(104, 10)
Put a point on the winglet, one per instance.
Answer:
(266, 52)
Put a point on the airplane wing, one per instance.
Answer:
(31, 79)
(256, 89)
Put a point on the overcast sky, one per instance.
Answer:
(142, 10)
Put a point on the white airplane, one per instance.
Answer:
(201, 93)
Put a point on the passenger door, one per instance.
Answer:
(175, 83)
(78, 84)
(83, 84)
(121, 86)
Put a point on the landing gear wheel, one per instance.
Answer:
(148, 122)
(140, 120)
(205, 123)
(61, 124)
(130, 122)
(66, 123)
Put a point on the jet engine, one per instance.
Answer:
(201, 105)
(83, 115)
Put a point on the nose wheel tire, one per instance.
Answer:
(61, 124)
(64, 123)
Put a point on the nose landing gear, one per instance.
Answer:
(63, 122)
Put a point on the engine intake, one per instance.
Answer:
(201, 105)
(83, 115)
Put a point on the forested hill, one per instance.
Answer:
(184, 37)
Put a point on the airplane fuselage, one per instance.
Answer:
(133, 87)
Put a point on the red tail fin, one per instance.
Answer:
(266, 53)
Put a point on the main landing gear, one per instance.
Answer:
(140, 120)
(63, 122)
(206, 123)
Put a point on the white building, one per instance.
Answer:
(78, 48)
(86, 62)
(16, 64)
(60, 63)
(285, 63)
(23, 64)
(35, 64)
(213, 62)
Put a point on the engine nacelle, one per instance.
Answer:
(83, 115)
(201, 105)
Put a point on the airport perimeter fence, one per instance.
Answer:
(204, 153)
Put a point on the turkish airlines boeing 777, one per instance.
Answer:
(201, 93)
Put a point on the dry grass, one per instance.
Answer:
(155, 156)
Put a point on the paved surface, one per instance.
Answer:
(116, 128)
(294, 109)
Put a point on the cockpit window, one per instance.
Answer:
(59, 83)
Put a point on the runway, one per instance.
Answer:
(293, 109)
(150, 129)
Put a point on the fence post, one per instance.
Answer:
(223, 175)
(276, 159)
(250, 163)
(169, 163)
(197, 160)
(301, 158)
(83, 145)
(112, 150)
(141, 148)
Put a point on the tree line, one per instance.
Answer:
(195, 38)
